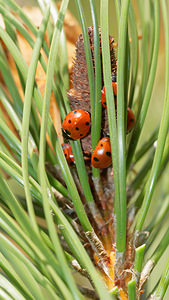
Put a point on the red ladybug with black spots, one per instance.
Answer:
(130, 120)
(68, 154)
(103, 95)
(76, 124)
(101, 157)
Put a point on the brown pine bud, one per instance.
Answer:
(79, 95)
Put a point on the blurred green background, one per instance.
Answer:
(153, 117)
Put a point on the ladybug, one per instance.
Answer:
(101, 157)
(68, 154)
(103, 95)
(130, 120)
(76, 124)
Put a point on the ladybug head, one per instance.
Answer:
(113, 77)
(66, 135)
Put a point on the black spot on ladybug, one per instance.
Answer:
(69, 121)
(132, 120)
(101, 145)
(87, 123)
(96, 159)
(77, 128)
(108, 153)
(71, 164)
(75, 111)
(104, 103)
(67, 131)
(81, 134)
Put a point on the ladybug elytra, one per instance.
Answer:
(103, 95)
(68, 153)
(130, 120)
(101, 157)
(76, 124)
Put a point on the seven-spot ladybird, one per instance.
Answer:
(101, 157)
(68, 154)
(76, 124)
(103, 95)
(130, 119)
(103, 98)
